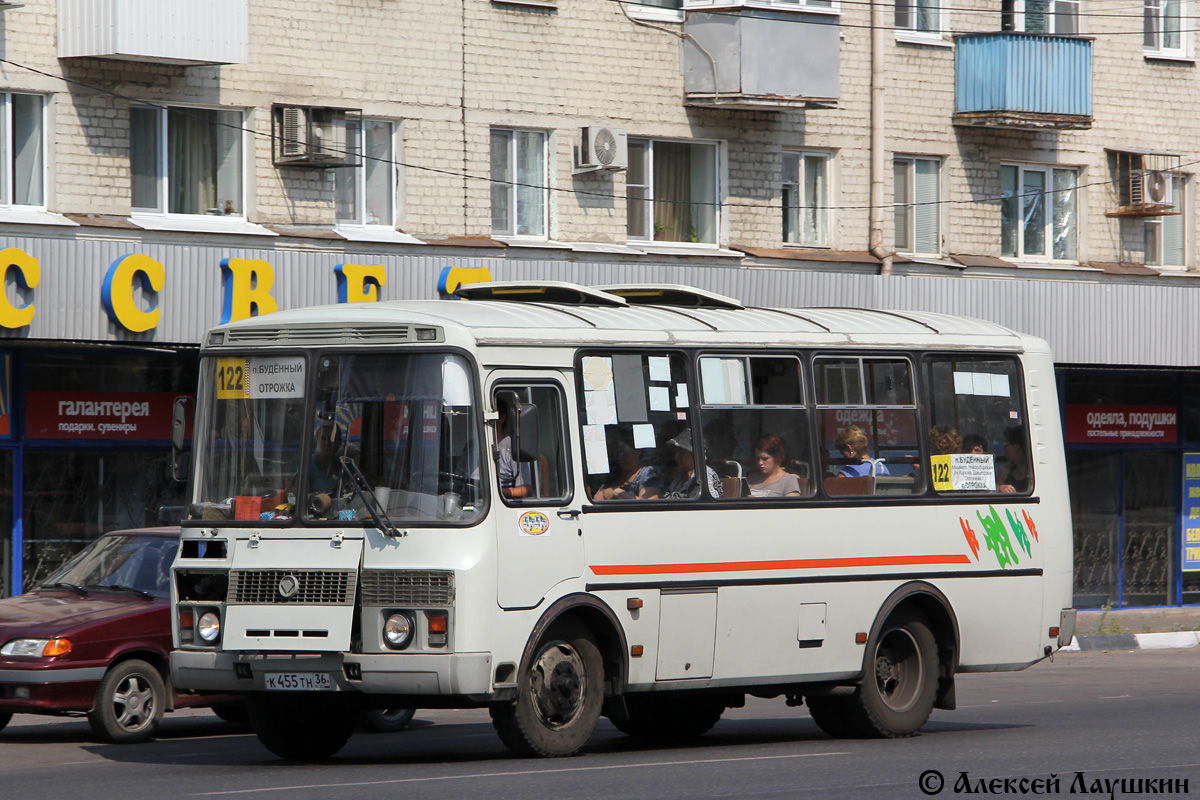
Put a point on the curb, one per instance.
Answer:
(1134, 641)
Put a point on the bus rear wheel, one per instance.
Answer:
(559, 696)
(899, 685)
(655, 716)
(300, 727)
(834, 715)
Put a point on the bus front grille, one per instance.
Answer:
(308, 586)
(385, 587)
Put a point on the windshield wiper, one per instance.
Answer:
(116, 587)
(374, 507)
(77, 589)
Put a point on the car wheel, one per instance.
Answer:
(897, 692)
(129, 703)
(386, 720)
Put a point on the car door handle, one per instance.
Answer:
(568, 513)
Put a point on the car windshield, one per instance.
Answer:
(118, 562)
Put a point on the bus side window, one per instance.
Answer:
(543, 478)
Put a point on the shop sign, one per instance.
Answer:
(1191, 513)
(112, 416)
(1121, 424)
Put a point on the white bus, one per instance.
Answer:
(642, 502)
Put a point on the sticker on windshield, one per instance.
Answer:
(260, 378)
(534, 523)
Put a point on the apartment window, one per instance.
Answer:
(919, 16)
(750, 3)
(673, 4)
(805, 181)
(916, 207)
(186, 160)
(366, 193)
(1162, 31)
(519, 190)
(22, 143)
(1037, 212)
(671, 191)
(1165, 235)
(1040, 16)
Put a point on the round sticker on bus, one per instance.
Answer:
(534, 523)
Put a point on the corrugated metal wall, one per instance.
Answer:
(1116, 321)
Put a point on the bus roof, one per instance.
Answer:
(526, 320)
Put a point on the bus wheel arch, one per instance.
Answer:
(929, 601)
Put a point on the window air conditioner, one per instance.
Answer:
(1156, 189)
(316, 137)
(602, 148)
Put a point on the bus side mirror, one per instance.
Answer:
(180, 414)
(525, 435)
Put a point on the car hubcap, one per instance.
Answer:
(133, 703)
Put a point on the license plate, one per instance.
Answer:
(298, 681)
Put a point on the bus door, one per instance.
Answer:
(538, 526)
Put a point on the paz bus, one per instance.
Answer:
(642, 502)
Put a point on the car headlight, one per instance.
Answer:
(397, 630)
(209, 626)
(44, 648)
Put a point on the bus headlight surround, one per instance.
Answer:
(398, 630)
(208, 628)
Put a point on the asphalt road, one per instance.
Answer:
(1109, 716)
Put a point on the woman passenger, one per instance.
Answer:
(631, 479)
(852, 442)
(772, 480)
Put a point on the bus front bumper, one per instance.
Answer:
(445, 674)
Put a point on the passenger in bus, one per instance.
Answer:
(325, 472)
(684, 483)
(852, 442)
(974, 443)
(514, 481)
(631, 479)
(1015, 477)
(772, 480)
(944, 440)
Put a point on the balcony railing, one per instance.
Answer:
(183, 32)
(1023, 80)
(754, 58)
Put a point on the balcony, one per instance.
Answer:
(734, 59)
(184, 32)
(1023, 80)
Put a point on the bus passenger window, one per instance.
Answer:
(544, 478)
(637, 435)
(755, 426)
(868, 424)
(977, 399)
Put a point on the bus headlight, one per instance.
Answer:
(209, 626)
(397, 630)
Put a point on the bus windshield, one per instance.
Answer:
(406, 421)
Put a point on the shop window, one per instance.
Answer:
(755, 426)
(867, 419)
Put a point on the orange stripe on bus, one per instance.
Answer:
(801, 563)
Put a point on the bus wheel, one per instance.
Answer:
(559, 698)
(834, 715)
(299, 727)
(655, 716)
(900, 685)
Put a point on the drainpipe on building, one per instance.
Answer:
(878, 160)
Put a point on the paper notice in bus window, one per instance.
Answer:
(595, 449)
(597, 373)
(280, 377)
(601, 407)
(631, 388)
(964, 383)
(963, 472)
(660, 368)
(660, 398)
(643, 436)
(681, 395)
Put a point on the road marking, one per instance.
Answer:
(514, 774)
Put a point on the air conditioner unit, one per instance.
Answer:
(316, 137)
(1156, 189)
(602, 148)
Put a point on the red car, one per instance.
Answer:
(94, 638)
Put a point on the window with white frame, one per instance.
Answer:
(1166, 236)
(671, 191)
(1163, 31)
(23, 146)
(520, 195)
(919, 16)
(749, 3)
(916, 206)
(186, 160)
(366, 193)
(1040, 16)
(1038, 212)
(805, 181)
